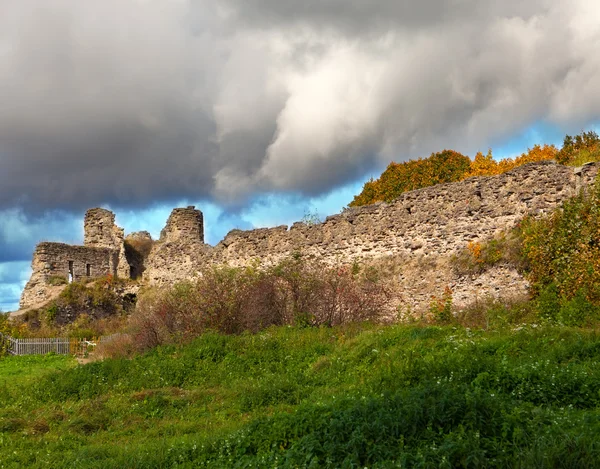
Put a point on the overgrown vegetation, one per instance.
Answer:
(559, 253)
(505, 248)
(564, 255)
(297, 291)
(288, 397)
(450, 166)
(80, 310)
(444, 166)
(278, 367)
(486, 165)
(7, 329)
(580, 149)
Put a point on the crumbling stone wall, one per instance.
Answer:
(138, 246)
(412, 238)
(185, 225)
(55, 264)
(103, 253)
(101, 231)
(419, 232)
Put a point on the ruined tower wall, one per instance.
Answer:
(103, 253)
(99, 228)
(56, 263)
(185, 225)
(180, 253)
(418, 233)
(100, 231)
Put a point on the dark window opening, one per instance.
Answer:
(88, 270)
(129, 302)
(71, 273)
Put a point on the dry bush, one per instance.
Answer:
(297, 291)
(503, 249)
(120, 345)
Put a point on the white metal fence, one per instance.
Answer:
(41, 346)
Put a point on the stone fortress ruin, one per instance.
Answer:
(418, 234)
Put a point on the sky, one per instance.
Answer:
(262, 111)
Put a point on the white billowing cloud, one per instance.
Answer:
(576, 98)
(129, 102)
(329, 121)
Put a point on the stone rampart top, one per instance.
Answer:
(185, 225)
(100, 229)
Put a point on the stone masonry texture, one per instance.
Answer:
(416, 235)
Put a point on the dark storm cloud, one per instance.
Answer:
(19, 232)
(375, 16)
(131, 101)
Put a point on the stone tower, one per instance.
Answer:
(185, 225)
(100, 231)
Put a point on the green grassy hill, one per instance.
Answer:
(354, 396)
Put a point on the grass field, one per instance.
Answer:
(17, 371)
(359, 396)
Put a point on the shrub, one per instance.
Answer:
(563, 255)
(580, 149)
(441, 167)
(496, 313)
(440, 308)
(564, 247)
(477, 257)
(79, 311)
(9, 328)
(120, 345)
(578, 311)
(97, 301)
(548, 303)
(57, 280)
(297, 291)
(450, 166)
(488, 166)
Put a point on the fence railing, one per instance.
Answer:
(58, 345)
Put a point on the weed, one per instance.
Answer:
(440, 308)
(57, 280)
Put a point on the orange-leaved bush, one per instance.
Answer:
(486, 165)
(441, 167)
(579, 149)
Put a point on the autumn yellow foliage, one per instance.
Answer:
(488, 166)
(442, 167)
